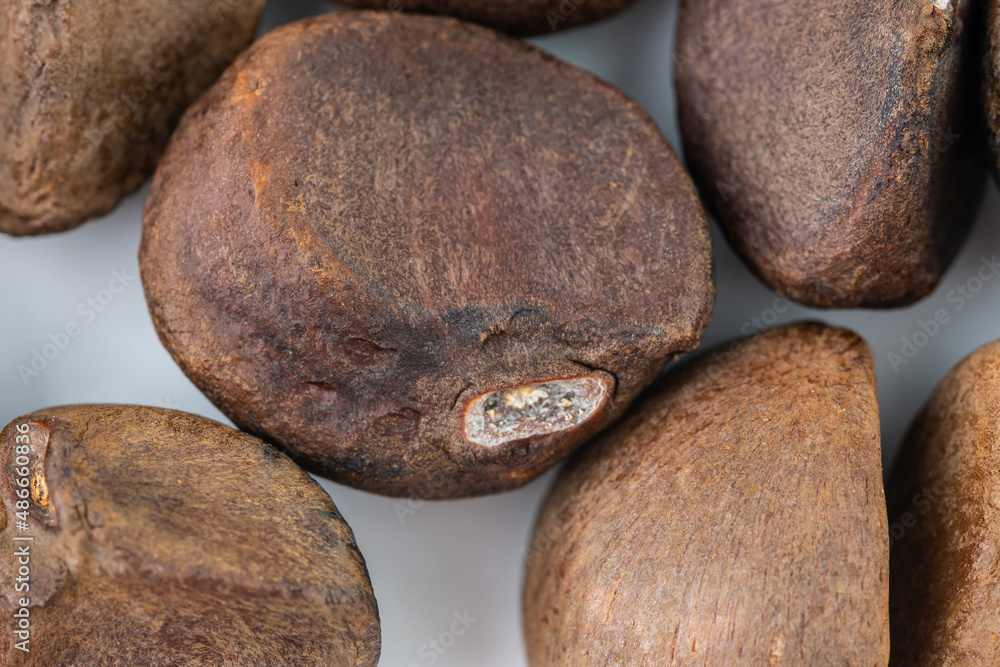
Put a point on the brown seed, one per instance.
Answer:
(90, 91)
(944, 513)
(736, 517)
(840, 146)
(153, 537)
(423, 257)
(518, 17)
(992, 79)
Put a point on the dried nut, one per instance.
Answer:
(992, 80)
(840, 146)
(140, 536)
(90, 91)
(736, 517)
(518, 17)
(424, 258)
(944, 513)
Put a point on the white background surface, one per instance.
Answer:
(445, 557)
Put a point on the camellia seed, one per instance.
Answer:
(735, 517)
(154, 537)
(424, 258)
(90, 92)
(841, 149)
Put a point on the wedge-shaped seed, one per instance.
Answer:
(423, 257)
(90, 91)
(840, 145)
(735, 518)
(139, 536)
(944, 513)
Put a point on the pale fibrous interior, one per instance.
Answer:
(521, 412)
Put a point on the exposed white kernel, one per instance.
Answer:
(523, 397)
(517, 413)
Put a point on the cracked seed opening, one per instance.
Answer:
(26, 447)
(534, 409)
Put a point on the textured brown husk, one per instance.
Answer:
(944, 511)
(374, 219)
(991, 77)
(840, 145)
(736, 517)
(90, 91)
(170, 539)
(517, 17)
